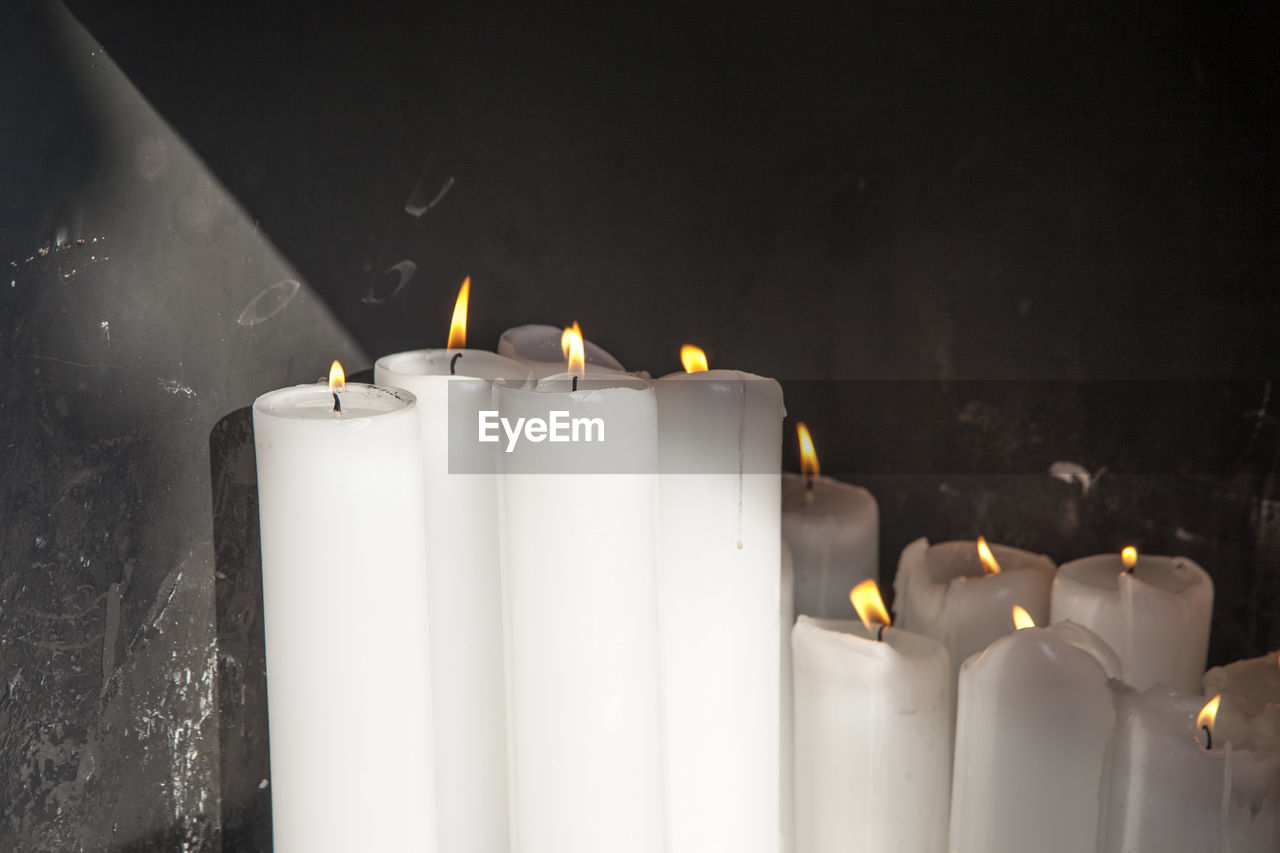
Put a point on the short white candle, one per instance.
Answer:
(834, 532)
(945, 592)
(539, 348)
(461, 523)
(578, 548)
(1156, 616)
(1249, 715)
(1035, 715)
(719, 570)
(872, 738)
(345, 618)
(1168, 791)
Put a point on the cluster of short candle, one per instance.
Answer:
(966, 728)
(484, 639)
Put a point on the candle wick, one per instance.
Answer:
(1208, 735)
(575, 383)
(337, 404)
(809, 483)
(453, 364)
(880, 634)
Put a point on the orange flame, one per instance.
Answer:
(458, 328)
(1209, 714)
(574, 349)
(988, 559)
(1129, 556)
(337, 378)
(870, 606)
(1021, 618)
(693, 359)
(808, 456)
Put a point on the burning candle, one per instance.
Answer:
(453, 386)
(1035, 713)
(1154, 611)
(578, 556)
(540, 349)
(872, 733)
(961, 592)
(1175, 784)
(1249, 714)
(719, 549)
(345, 617)
(833, 530)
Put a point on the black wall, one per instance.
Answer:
(973, 240)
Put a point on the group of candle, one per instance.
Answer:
(527, 642)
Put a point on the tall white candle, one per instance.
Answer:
(787, 775)
(1035, 715)
(834, 532)
(872, 738)
(578, 546)
(1168, 790)
(461, 525)
(538, 347)
(1155, 616)
(945, 592)
(345, 609)
(719, 451)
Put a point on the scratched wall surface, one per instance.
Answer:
(1059, 224)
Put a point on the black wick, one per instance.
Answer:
(337, 404)
(1208, 734)
(453, 364)
(809, 483)
(880, 633)
(575, 384)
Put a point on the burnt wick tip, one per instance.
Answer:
(1208, 737)
(575, 384)
(880, 633)
(337, 404)
(453, 364)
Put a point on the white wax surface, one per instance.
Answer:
(943, 591)
(464, 579)
(1249, 714)
(787, 617)
(538, 347)
(1156, 618)
(1166, 792)
(719, 570)
(834, 533)
(872, 739)
(578, 553)
(1035, 716)
(346, 612)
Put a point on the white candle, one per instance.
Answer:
(539, 348)
(1156, 617)
(345, 618)
(464, 579)
(1249, 715)
(834, 532)
(945, 592)
(578, 547)
(1167, 791)
(872, 738)
(719, 451)
(1035, 713)
(787, 617)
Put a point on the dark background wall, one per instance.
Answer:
(973, 240)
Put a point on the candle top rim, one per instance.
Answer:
(561, 383)
(436, 361)
(545, 346)
(851, 635)
(314, 402)
(1168, 574)
(957, 560)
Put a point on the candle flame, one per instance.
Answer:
(808, 456)
(574, 349)
(988, 559)
(1209, 714)
(693, 359)
(458, 327)
(1129, 556)
(337, 378)
(870, 606)
(1021, 618)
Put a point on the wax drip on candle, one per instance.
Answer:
(337, 382)
(1129, 556)
(453, 364)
